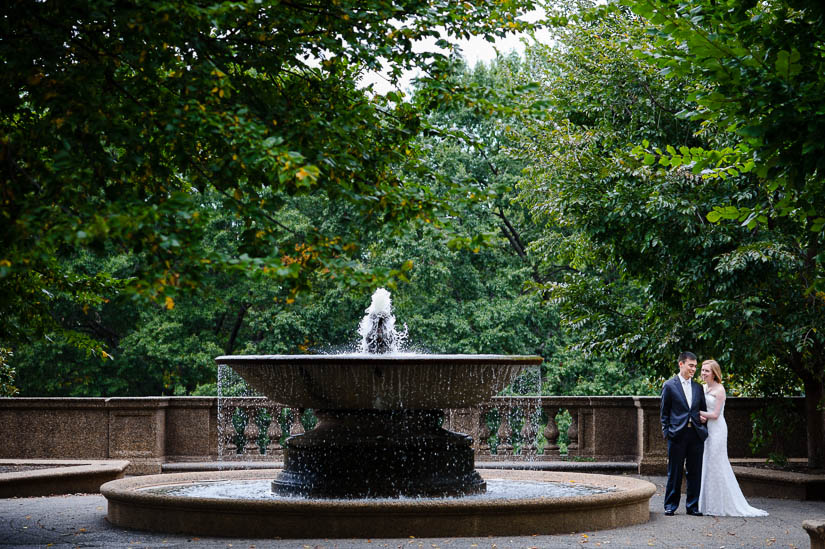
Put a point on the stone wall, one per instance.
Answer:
(151, 431)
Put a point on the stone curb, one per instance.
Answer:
(129, 506)
(768, 483)
(56, 477)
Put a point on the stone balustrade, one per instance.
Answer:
(151, 431)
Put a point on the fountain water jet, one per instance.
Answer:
(378, 436)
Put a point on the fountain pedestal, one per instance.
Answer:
(373, 453)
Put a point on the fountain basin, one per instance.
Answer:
(129, 507)
(379, 432)
(378, 382)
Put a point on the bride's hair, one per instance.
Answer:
(714, 367)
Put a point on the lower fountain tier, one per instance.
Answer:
(374, 454)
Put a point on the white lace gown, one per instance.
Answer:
(720, 494)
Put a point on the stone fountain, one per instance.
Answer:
(379, 414)
(378, 463)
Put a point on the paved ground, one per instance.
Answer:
(80, 521)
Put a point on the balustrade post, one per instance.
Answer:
(273, 448)
(236, 445)
(251, 431)
(297, 428)
(504, 434)
(226, 432)
(529, 430)
(573, 433)
(484, 432)
(551, 431)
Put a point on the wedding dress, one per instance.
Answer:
(720, 494)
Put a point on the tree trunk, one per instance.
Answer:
(814, 419)
(230, 345)
(515, 241)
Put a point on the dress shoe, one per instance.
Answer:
(669, 512)
(695, 513)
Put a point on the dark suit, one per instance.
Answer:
(685, 435)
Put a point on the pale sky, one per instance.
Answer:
(475, 49)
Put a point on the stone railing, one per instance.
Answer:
(151, 431)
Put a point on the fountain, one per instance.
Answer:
(379, 413)
(378, 462)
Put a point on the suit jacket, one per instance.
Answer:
(674, 411)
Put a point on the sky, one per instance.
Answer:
(475, 49)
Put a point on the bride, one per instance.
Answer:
(720, 494)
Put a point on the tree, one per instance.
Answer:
(755, 71)
(649, 275)
(497, 312)
(121, 121)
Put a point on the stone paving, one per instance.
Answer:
(80, 521)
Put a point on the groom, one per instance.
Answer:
(682, 398)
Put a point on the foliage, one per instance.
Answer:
(7, 374)
(607, 228)
(773, 425)
(466, 296)
(127, 127)
(756, 71)
(650, 274)
(568, 373)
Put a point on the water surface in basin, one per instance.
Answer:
(497, 489)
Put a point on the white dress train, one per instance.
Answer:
(720, 494)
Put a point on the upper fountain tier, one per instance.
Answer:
(360, 381)
(379, 377)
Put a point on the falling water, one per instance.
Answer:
(230, 384)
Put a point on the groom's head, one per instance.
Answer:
(687, 364)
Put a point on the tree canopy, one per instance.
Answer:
(126, 127)
(754, 70)
(756, 73)
(621, 188)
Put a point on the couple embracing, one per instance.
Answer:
(693, 424)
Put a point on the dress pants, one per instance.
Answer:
(684, 450)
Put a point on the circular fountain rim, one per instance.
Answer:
(451, 517)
